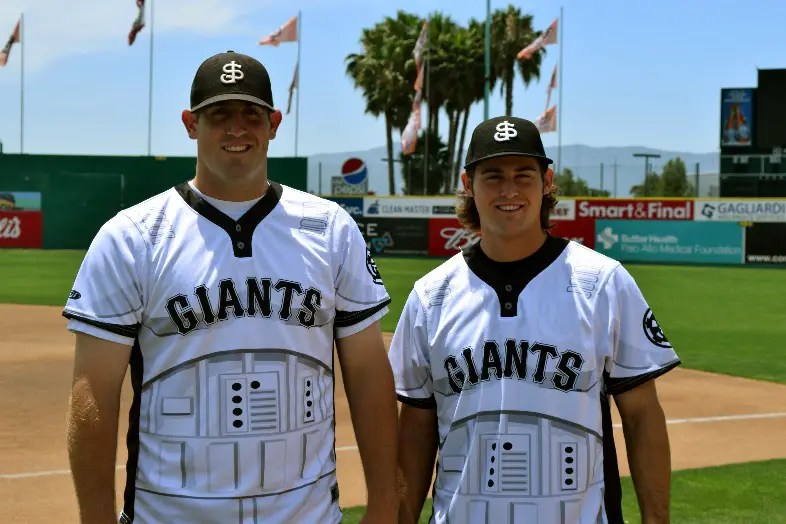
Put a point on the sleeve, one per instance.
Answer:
(106, 300)
(639, 349)
(361, 296)
(409, 356)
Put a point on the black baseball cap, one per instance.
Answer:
(504, 136)
(231, 76)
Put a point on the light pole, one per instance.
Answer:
(646, 157)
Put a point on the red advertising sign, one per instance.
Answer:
(447, 237)
(581, 231)
(21, 229)
(617, 208)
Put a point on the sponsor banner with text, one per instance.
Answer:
(446, 237)
(740, 210)
(581, 231)
(21, 229)
(395, 236)
(564, 210)
(409, 207)
(765, 243)
(352, 205)
(631, 209)
(662, 241)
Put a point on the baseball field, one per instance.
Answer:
(726, 405)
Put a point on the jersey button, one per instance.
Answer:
(241, 245)
(508, 305)
(237, 227)
(508, 288)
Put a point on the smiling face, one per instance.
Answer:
(508, 193)
(232, 140)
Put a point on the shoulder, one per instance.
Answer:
(312, 209)
(592, 271)
(439, 284)
(152, 218)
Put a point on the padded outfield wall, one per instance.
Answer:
(60, 202)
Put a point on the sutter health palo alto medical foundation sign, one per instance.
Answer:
(660, 241)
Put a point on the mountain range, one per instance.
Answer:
(584, 161)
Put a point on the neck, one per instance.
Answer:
(235, 191)
(509, 249)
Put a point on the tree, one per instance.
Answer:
(674, 179)
(654, 187)
(385, 72)
(511, 31)
(570, 185)
(412, 166)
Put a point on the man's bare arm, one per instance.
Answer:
(99, 369)
(368, 381)
(649, 455)
(417, 449)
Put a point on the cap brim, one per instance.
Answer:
(508, 153)
(230, 96)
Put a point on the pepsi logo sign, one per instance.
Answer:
(354, 171)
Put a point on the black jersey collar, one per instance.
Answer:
(242, 230)
(508, 279)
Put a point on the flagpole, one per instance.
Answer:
(488, 61)
(150, 88)
(297, 77)
(22, 84)
(560, 81)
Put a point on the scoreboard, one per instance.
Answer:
(753, 138)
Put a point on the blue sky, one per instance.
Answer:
(634, 73)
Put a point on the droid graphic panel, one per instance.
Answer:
(517, 467)
(270, 407)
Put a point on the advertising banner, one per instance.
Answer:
(581, 231)
(446, 237)
(736, 117)
(662, 241)
(21, 229)
(740, 210)
(631, 209)
(409, 207)
(20, 201)
(564, 210)
(395, 236)
(765, 243)
(352, 205)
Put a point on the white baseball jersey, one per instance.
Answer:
(232, 321)
(518, 359)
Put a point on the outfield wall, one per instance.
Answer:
(667, 230)
(60, 202)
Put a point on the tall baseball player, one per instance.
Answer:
(505, 355)
(225, 294)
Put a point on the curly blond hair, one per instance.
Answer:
(468, 215)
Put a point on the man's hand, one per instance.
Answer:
(649, 456)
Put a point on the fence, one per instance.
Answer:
(684, 231)
(75, 195)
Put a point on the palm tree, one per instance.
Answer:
(385, 72)
(511, 32)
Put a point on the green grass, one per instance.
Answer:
(751, 493)
(725, 320)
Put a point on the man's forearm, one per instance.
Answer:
(417, 449)
(372, 404)
(92, 449)
(649, 458)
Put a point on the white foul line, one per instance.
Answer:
(57, 472)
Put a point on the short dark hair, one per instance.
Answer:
(468, 215)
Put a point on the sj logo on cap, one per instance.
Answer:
(232, 73)
(505, 131)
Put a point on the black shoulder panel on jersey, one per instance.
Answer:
(117, 329)
(617, 386)
(422, 403)
(350, 318)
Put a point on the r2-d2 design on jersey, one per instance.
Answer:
(237, 425)
(518, 468)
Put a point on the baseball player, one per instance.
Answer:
(505, 356)
(225, 294)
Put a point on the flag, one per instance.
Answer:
(552, 85)
(548, 37)
(547, 122)
(139, 23)
(6, 51)
(420, 45)
(285, 33)
(292, 87)
(409, 138)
